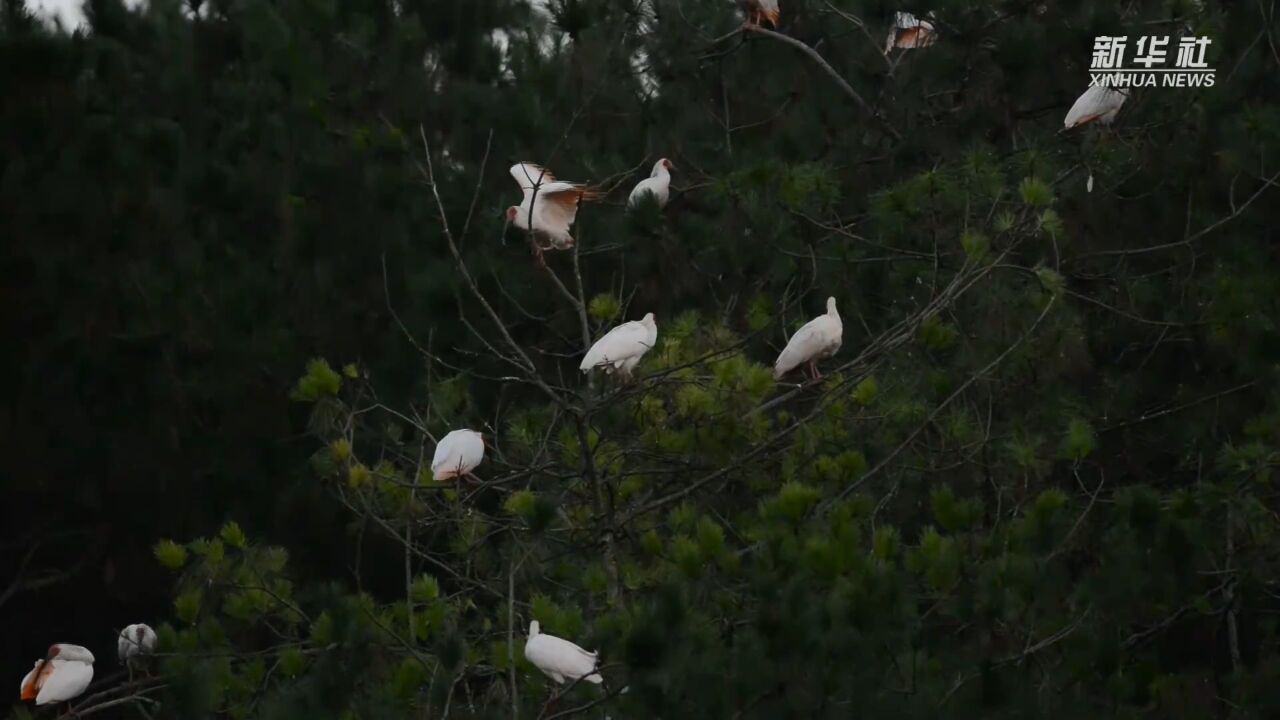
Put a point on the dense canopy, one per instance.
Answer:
(259, 263)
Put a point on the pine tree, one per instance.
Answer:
(1033, 482)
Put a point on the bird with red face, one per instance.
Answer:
(657, 185)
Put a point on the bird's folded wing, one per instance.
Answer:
(67, 681)
(802, 346)
(1094, 102)
(444, 455)
(626, 340)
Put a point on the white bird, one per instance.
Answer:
(658, 185)
(560, 659)
(758, 10)
(457, 454)
(622, 347)
(819, 338)
(910, 32)
(1098, 103)
(137, 639)
(553, 206)
(63, 674)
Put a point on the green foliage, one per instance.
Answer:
(195, 206)
(809, 187)
(936, 335)
(1051, 223)
(319, 381)
(865, 392)
(186, 607)
(292, 662)
(1051, 280)
(1035, 192)
(520, 503)
(937, 558)
(232, 535)
(952, 513)
(793, 501)
(424, 589)
(1079, 441)
(976, 245)
(604, 307)
(170, 554)
(322, 631)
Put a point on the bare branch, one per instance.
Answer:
(845, 86)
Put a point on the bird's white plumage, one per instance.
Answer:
(910, 32)
(658, 184)
(553, 209)
(1097, 103)
(64, 674)
(137, 639)
(819, 338)
(622, 347)
(560, 659)
(458, 453)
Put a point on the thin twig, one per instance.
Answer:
(826, 67)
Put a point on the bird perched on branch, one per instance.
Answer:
(910, 32)
(621, 349)
(760, 10)
(657, 185)
(457, 454)
(549, 207)
(63, 674)
(817, 339)
(137, 639)
(1097, 104)
(560, 659)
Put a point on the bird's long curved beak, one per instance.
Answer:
(506, 226)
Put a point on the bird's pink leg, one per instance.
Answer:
(813, 368)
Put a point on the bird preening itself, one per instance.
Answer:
(758, 11)
(63, 674)
(910, 32)
(457, 454)
(657, 185)
(548, 208)
(621, 349)
(560, 659)
(817, 339)
(1099, 103)
(137, 639)
(134, 642)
